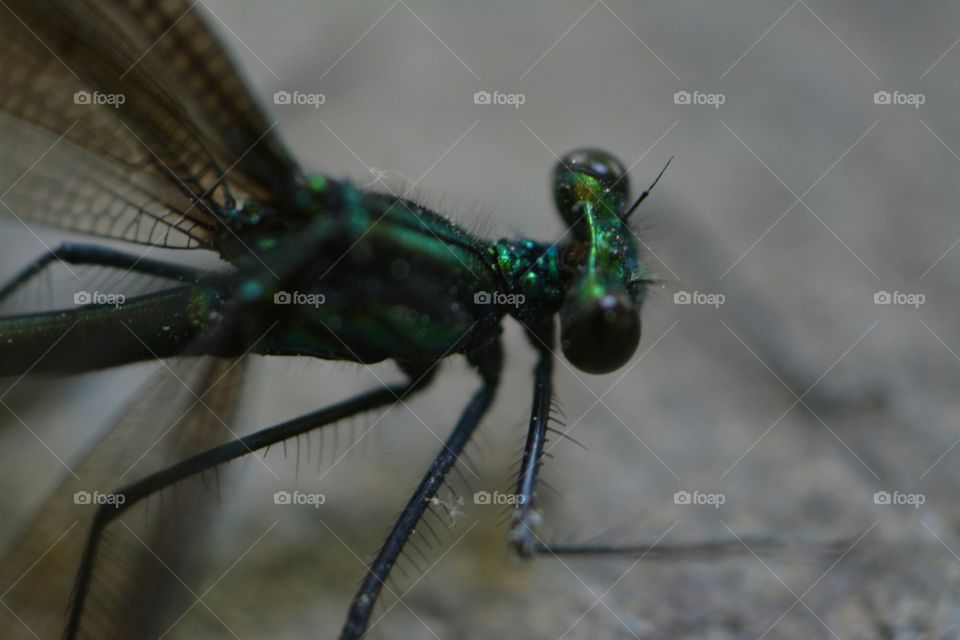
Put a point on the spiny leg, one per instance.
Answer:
(361, 608)
(96, 255)
(137, 491)
(526, 519)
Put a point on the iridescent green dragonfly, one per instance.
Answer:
(131, 123)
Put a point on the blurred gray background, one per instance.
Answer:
(797, 199)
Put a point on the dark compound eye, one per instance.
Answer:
(606, 168)
(601, 335)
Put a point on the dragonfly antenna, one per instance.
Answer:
(643, 196)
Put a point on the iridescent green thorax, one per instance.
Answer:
(533, 276)
(364, 276)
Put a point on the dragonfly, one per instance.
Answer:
(142, 130)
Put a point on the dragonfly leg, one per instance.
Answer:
(361, 608)
(211, 458)
(525, 517)
(744, 545)
(97, 255)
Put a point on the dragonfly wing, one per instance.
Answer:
(148, 90)
(60, 184)
(143, 577)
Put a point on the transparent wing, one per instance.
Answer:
(150, 130)
(59, 184)
(144, 578)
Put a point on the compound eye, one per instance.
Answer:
(602, 335)
(603, 166)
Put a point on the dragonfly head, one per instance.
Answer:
(605, 278)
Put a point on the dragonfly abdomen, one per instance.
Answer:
(91, 337)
